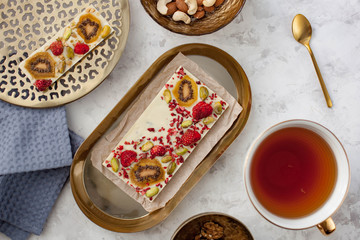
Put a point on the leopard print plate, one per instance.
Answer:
(27, 25)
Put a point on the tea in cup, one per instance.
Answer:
(297, 175)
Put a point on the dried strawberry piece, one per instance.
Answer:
(81, 48)
(190, 137)
(127, 157)
(158, 150)
(42, 84)
(181, 71)
(201, 110)
(57, 48)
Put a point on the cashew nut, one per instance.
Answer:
(161, 6)
(192, 4)
(181, 16)
(209, 3)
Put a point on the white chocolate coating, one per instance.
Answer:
(159, 117)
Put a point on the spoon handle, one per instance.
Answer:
(322, 83)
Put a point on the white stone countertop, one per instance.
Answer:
(284, 86)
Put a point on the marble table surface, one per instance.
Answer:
(284, 86)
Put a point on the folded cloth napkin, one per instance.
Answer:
(36, 150)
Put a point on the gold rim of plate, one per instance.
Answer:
(212, 22)
(79, 80)
(151, 219)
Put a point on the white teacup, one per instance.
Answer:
(322, 216)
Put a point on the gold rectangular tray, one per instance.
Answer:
(99, 204)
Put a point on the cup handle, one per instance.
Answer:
(327, 227)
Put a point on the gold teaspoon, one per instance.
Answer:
(301, 30)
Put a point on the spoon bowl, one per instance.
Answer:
(301, 29)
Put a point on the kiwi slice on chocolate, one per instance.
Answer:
(147, 172)
(41, 65)
(89, 27)
(186, 91)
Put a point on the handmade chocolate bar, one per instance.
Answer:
(166, 133)
(49, 62)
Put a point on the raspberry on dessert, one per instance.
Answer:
(158, 150)
(201, 110)
(42, 84)
(81, 48)
(57, 48)
(190, 137)
(127, 157)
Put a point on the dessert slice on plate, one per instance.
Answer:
(49, 62)
(166, 134)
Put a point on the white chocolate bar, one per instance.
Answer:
(163, 123)
(64, 61)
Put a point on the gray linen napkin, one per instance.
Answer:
(36, 150)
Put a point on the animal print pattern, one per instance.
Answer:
(27, 25)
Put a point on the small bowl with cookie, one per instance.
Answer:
(212, 226)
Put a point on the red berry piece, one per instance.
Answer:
(190, 137)
(57, 48)
(81, 48)
(127, 157)
(181, 71)
(42, 84)
(158, 150)
(201, 110)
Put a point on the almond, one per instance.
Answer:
(171, 8)
(209, 9)
(182, 6)
(199, 14)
